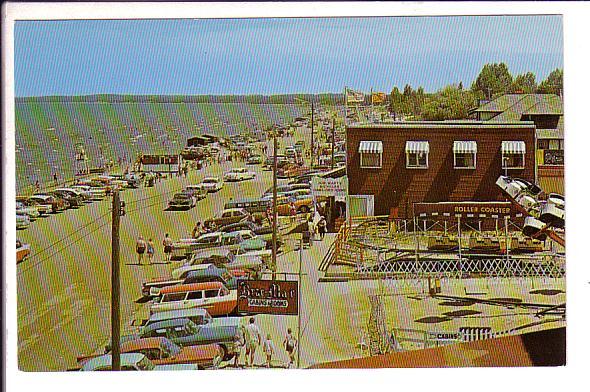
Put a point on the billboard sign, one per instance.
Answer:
(268, 297)
(329, 186)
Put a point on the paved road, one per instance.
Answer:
(64, 289)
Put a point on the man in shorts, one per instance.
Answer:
(253, 340)
(167, 243)
(140, 249)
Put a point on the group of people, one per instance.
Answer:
(250, 338)
(147, 247)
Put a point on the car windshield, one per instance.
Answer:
(209, 180)
(145, 364)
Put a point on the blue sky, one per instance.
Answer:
(264, 56)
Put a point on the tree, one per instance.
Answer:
(524, 83)
(449, 103)
(492, 80)
(553, 84)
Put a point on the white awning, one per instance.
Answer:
(513, 147)
(371, 147)
(464, 147)
(414, 147)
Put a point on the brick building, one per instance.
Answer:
(393, 165)
(546, 111)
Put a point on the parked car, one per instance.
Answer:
(199, 316)
(238, 174)
(212, 184)
(74, 201)
(162, 351)
(212, 273)
(182, 201)
(228, 216)
(303, 204)
(291, 170)
(22, 221)
(43, 209)
(31, 212)
(131, 361)
(198, 191)
(254, 160)
(184, 332)
(95, 193)
(263, 233)
(213, 296)
(57, 204)
(23, 251)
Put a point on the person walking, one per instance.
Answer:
(253, 340)
(167, 243)
(140, 249)
(150, 250)
(239, 342)
(322, 228)
(290, 344)
(269, 349)
(293, 212)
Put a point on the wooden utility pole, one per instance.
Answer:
(299, 303)
(115, 285)
(333, 132)
(312, 155)
(274, 205)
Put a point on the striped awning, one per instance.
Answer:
(414, 147)
(371, 147)
(464, 146)
(513, 147)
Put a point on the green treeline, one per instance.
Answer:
(454, 102)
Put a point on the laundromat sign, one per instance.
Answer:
(465, 209)
(268, 297)
(329, 186)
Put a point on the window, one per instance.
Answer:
(211, 293)
(173, 297)
(465, 154)
(513, 154)
(543, 144)
(417, 154)
(371, 154)
(195, 295)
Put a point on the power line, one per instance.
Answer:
(64, 238)
(31, 266)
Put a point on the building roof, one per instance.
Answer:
(518, 104)
(467, 124)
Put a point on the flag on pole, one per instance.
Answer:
(377, 98)
(354, 96)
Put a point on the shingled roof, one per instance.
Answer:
(515, 105)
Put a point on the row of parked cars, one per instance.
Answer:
(193, 322)
(41, 204)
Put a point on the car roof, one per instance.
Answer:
(177, 314)
(191, 287)
(127, 359)
(177, 322)
(207, 253)
(142, 343)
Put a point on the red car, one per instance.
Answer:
(162, 351)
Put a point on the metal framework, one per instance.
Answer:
(379, 248)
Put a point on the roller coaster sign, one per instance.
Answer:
(268, 297)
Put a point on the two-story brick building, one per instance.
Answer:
(393, 165)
